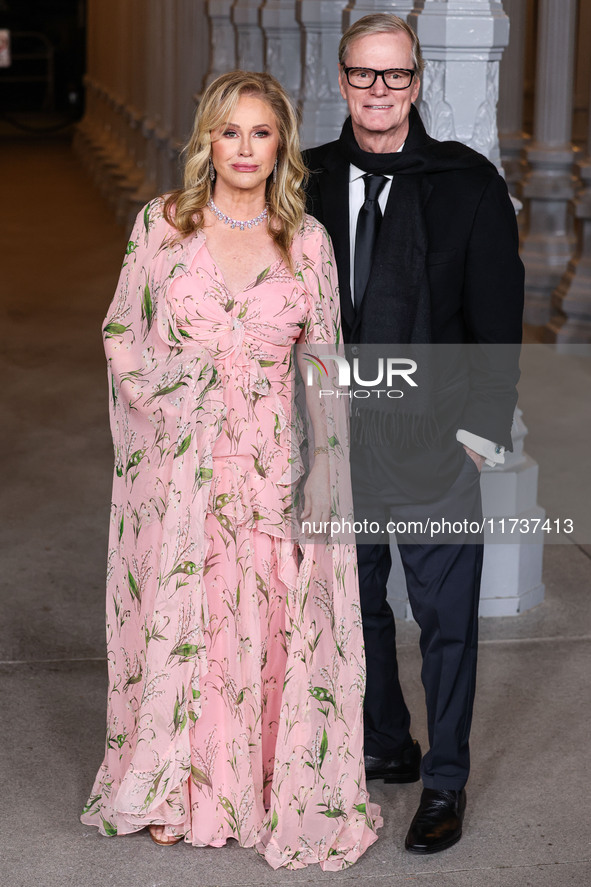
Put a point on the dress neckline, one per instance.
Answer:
(263, 273)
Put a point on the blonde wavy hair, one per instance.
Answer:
(183, 209)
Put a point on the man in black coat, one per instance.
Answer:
(426, 245)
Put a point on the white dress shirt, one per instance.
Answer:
(493, 453)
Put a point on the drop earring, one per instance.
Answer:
(211, 171)
(275, 172)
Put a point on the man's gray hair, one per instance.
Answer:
(381, 23)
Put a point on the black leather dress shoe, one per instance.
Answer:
(405, 767)
(437, 824)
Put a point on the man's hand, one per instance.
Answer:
(476, 457)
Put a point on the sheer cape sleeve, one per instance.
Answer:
(165, 414)
(326, 665)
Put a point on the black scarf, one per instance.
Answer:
(420, 154)
(396, 308)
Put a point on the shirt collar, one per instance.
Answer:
(356, 173)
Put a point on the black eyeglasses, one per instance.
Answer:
(364, 78)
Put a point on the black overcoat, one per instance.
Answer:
(474, 272)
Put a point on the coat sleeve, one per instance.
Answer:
(493, 307)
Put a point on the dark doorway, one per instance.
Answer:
(41, 79)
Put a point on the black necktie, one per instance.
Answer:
(368, 226)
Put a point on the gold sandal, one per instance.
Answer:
(167, 843)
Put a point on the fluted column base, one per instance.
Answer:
(571, 302)
(511, 573)
(104, 144)
(513, 147)
(550, 241)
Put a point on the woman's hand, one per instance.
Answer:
(316, 511)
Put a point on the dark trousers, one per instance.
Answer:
(443, 584)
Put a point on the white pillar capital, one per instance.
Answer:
(249, 36)
(282, 42)
(462, 42)
(358, 8)
(323, 109)
(475, 30)
(223, 38)
(510, 116)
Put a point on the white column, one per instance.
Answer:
(283, 44)
(145, 60)
(222, 39)
(358, 8)
(571, 319)
(462, 43)
(249, 36)
(549, 242)
(323, 109)
(510, 117)
(512, 572)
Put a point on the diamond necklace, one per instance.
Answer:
(236, 223)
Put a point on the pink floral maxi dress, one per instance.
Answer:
(235, 658)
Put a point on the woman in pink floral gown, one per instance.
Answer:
(235, 654)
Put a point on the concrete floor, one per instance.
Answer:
(528, 820)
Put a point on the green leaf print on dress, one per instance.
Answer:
(235, 657)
